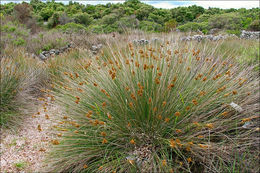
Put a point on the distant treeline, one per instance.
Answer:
(131, 14)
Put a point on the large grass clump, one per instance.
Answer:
(21, 79)
(9, 88)
(157, 108)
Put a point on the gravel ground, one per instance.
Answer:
(25, 150)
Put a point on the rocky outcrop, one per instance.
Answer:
(155, 39)
(244, 35)
(250, 34)
(141, 41)
(213, 31)
(199, 38)
(44, 55)
(96, 48)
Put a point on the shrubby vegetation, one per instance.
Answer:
(114, 17)
(193, 26)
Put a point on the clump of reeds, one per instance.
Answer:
(21, 78)
(157, 108)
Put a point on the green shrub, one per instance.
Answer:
(171, 24)
(109, 19)
(83, 18)
(246, 22)
(110, 28)
(53, 21)
(255, 25)
(165, 108)
(20, 165)
(7, 28)
(202, 18)
(21, 33)
(230, 21)
(11, 29)
(236, 32)
(19, 41)
(46, 13)
(96, 28)
(53, 39)
(128, 22)
(64, 19)
(205, 31)
(71, 27)
(48, 46)
(192, 26)
(150, 26)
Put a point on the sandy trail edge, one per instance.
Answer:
(25, 151)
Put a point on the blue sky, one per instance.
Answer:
(173, 4)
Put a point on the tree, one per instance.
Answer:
(64, 19)
(203, 18)
(132, 4)
(90, 9)
(150, 26)
(46, 13)
(109, 19)
(35, 4)
(54, 20)
(143, 12)
(170, 25)
(23, 12)
(156, 18)
(213, 11)
(7, 8)
(128, 22)
(196, 10)
(83, 18)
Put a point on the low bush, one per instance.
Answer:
(157, 108)
(83, 18)
(150, 26)
(236, 32)
(46, 40)
(255, 25)
(192, 26)
(71, 27)
(229, 21)
(19, 41)
(13, 33)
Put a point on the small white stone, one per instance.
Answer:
(246, 125)
(236, 107)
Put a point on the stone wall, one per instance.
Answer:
(250, 34)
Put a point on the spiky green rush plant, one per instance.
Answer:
(8, 91)
(157, 109)
(20, 79)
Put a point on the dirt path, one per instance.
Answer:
(25, 151)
